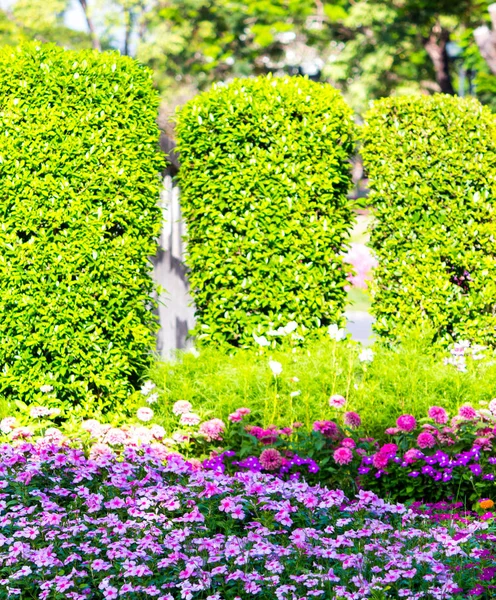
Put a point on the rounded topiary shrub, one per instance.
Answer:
(264, 179)
(432, 167)
(79, 189)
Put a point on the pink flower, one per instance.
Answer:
(426, 440)
(189, 419)
(438, 415)
(492, 406)
(411, 456)
(343, 456)
(98, 450)
(380, 460)
(352, 419)
(243, 411)
(21, 432)
(328, 429)
(348, 443)
(212, 429)
(337, 401)
(235, 417)
(406, 423)
(392, 430)
(270, 459)
(467, 412)
(157, 431)
(144, 414)
(483, 442)
(182, 407)
(115, 436)
(389, 449)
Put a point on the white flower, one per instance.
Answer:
(194, 352)
(261, 340)
(275, 367)
(46, 388)
(366, 355)
(286, 330)
(147, 387)
(144, 414)
(7, 424)
(37, 412)
(295, 379)
(152, 398)
(335, 333)
(295, 393)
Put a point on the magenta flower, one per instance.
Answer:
(426, 440)
(328, 429)
(438, 415)
(270, 459)
(380, 460)
(467, 412)
(348, 443)
(343, 456)
(352, 419)
(406, 423)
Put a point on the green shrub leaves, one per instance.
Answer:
(432, 165)
(264, 179)
(79, 184)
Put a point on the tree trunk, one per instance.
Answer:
(485, 39)
(129, 25)
(435, 46)
(95, 41)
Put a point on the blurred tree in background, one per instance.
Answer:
(367, 48)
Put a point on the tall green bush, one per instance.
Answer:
(432, 167)
(264, 179)
(79, 184)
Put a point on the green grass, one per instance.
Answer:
(405, 379)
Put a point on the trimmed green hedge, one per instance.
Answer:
(264, 179)
(79, 189)
(432, 167)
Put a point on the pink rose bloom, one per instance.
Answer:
(392, 430)
(438, 415)
(380, 460)
(406, 423)
(181, 407)
(352, 419)
(467, 412)
(189, 419)
(389, 449)
(328, 429)
(337, 401)
(411, 456)
(343, 456)
(270, 459)
(426, 440)
(212, 430)
(348, 443)
(144, 414)
(492, 406)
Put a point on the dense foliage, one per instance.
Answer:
(432, 167)
(264, 179)
(135, 527)
(79, 181)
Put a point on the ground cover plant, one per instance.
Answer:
(79, 181)
(264, 180)
(432, 167)
(79, 528)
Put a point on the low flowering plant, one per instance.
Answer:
(137, 526)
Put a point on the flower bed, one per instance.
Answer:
(81, 528)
